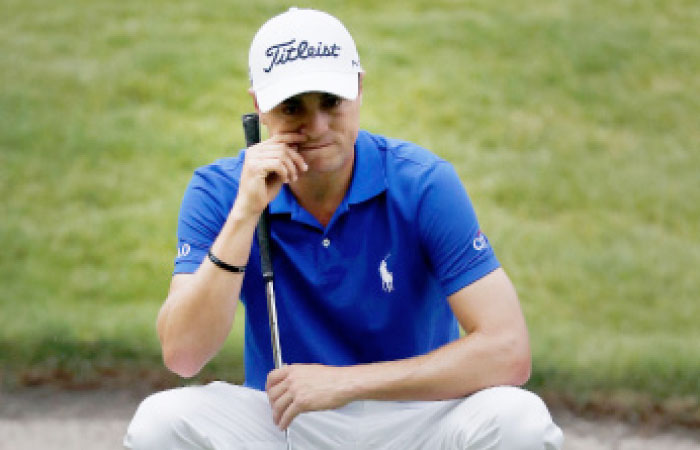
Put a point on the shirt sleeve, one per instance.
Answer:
(203, 211)
(458, 251)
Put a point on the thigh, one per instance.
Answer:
(216, 416)
(499, 418)
(368, 425)
(409, 425)
(502, 417)
(335, 429)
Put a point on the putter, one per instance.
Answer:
(251, 129)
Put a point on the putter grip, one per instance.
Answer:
(251, 129)
(264, 244)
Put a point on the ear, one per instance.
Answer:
(255, 100)
(360, 77)
(261, 116)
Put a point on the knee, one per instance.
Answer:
(159, 422)
(523, 420)
(505, 418)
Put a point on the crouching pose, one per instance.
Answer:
(378, 260)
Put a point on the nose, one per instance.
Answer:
(316, 123)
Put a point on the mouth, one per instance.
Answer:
(313, 146)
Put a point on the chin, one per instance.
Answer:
(325, 166)
(327, 159)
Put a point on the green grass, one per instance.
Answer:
(573, 125)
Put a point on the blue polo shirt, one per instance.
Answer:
(370, 286)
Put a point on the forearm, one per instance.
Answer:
(196, 318)
(452, 371)
(457, 369)
(495, 351)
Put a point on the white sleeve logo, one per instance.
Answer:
(183, 250)
(480, 241)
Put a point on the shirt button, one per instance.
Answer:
(326, 242)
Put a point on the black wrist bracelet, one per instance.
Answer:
(225, 266)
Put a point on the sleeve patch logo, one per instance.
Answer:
(480, 242)
(183, 250)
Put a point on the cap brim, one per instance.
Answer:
(344, 84)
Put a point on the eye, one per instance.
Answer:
(291, 107)
(330, 101)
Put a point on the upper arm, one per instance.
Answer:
(490, 313)
(205, 206)
(456, 248)
(178, 282)
(489, 305)
(480, 293)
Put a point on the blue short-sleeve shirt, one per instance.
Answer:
(373, 284)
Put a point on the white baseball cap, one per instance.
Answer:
(302, 50)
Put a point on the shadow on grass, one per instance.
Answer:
(106, 364)
(77, 365)
(632, 401)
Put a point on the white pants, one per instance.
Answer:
(225, 416)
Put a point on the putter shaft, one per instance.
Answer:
(274, 331)
(274, 335)
(251, 130)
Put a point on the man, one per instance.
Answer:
(378, 257)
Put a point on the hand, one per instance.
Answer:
(299, 388)
(267, 166)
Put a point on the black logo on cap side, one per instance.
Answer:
(288, 52)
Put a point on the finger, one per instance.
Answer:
(274, 166)
(280, 406)
(268, 150)
(290, 138)
(295, 162)
(291, 160)
(275, 376)
(290, 412)
(275, 391)
(291, 165)
(298, 160)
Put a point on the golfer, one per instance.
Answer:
(378, 260)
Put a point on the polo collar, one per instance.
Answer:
(284, 202)
(368, 179)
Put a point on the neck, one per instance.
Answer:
(321, 193)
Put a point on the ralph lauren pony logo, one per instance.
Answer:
(288, 51)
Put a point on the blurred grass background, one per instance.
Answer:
(573, 124)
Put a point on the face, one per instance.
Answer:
(331, 124)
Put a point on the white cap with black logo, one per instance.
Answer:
(302, 50)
